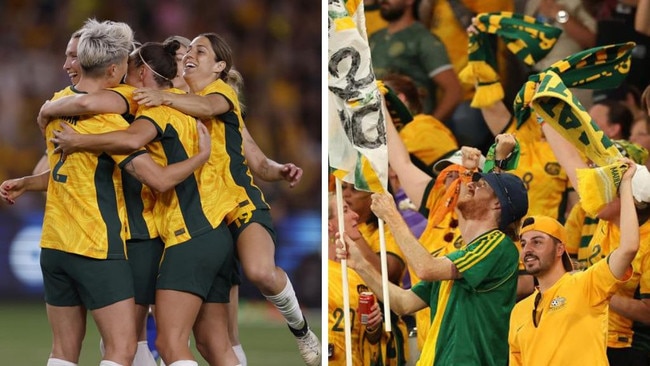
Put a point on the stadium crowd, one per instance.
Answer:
(494, 210)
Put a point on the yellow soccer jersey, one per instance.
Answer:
(607, 237)
(335, 314)
(139, 198)
(571, 320)
(199, 203)
(84, 213)
(428, 139)
(544, 178)
(126, 92)
(228, 151)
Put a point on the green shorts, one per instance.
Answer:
(241, 218)
(73, 280)
(144, 258)
(201, 265)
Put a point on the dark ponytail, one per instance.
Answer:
(160, 59)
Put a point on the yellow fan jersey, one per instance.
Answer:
(335, 314)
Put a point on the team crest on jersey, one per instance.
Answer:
(552, 168)
(458, 243)
(557, 303)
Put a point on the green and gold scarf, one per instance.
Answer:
(528, 39)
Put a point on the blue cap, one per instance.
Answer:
(512, 195)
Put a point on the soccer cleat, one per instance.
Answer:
(309, 347)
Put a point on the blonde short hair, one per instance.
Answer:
(102, 44)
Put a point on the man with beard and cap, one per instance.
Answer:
(569, 310)
(470, 291)
(405, 46)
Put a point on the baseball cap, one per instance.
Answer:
(511, 193)
(455, 158)
(552, 227)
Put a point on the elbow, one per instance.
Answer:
(162, 187)
(206, 112)
(399, 310)
(422, 273)
(131, 144)
(84, 104)
(643, 29)
(159, 185)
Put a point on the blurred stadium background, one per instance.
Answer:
(277, 48)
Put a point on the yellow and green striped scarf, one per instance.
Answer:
(528, 39)
(603, 67)
(599, 67)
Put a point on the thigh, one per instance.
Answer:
(244, 216)
(255, 240)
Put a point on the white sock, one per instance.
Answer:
(143, 356)
(59, 362)
(184, 363)
(102, 349)
(287, 303)
(162, 363)
(109, 363)
(239, 352)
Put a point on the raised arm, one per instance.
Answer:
(567, 154)
(497, 117)
(451, 91)
(103, 101)
(642, 17)
(621, 258)
(413, 180)
(425, 266)
(163, 178)
(402, 301)
(194, 105)
(265, 168)
(138, 134)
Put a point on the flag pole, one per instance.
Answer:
(344, 277)
(384, 275)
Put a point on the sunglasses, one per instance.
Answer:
(503, 188)
(537, 318)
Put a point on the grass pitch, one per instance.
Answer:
(25, 336)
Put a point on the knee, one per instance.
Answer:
(262, 276)
(121, 350)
